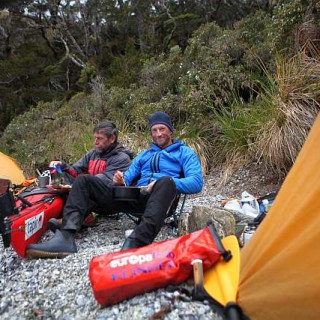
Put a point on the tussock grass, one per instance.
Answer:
(200, 140)
(273, 128)
(72, 142)
(292, 99)
(132, 139)
(235, 140)
(233, 161)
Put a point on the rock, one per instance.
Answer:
(242, 221)
(200, 216)
(81, 301)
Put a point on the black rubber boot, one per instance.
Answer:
(54, 224)
(131, 243)
(61, 245)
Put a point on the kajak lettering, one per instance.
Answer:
(138, 269)
(33, 225)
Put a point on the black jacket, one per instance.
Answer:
(103, 164)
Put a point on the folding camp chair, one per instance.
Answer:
(172, 217)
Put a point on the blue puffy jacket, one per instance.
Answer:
(177, 161)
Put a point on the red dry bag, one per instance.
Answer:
(121, 275)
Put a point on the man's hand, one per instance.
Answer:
(118, 179)
(150, 186)
(55, 163)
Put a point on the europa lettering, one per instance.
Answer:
(140, 259)
(133, 259)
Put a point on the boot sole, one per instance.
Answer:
(43, 254)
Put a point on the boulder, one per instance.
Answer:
(222, 219)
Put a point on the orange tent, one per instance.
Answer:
(279, 273)
(9, 169)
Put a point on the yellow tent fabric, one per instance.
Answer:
(280, 265)
(9, 169)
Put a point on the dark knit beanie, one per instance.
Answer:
(160, 118)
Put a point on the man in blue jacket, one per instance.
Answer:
(165, 169)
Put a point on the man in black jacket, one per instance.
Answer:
(93, 175)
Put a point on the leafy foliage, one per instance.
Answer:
(287, 15)
(227, 90)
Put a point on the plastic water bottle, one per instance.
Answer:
(249, 211)
(266, 205)
(247, 235)
(250, 200)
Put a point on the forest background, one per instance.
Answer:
(240, 78)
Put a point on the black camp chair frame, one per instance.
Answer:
(173, 213)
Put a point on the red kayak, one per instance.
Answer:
(24, 218)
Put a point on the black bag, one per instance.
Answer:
(6, 208)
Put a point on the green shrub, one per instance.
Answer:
(26, 137)
(124, 70)
(215, 70)
(160, 74)
(254, 32)
(287, 15)
(87, 74)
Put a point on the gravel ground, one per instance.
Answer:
(60, 289)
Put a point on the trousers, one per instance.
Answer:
(89, 193)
